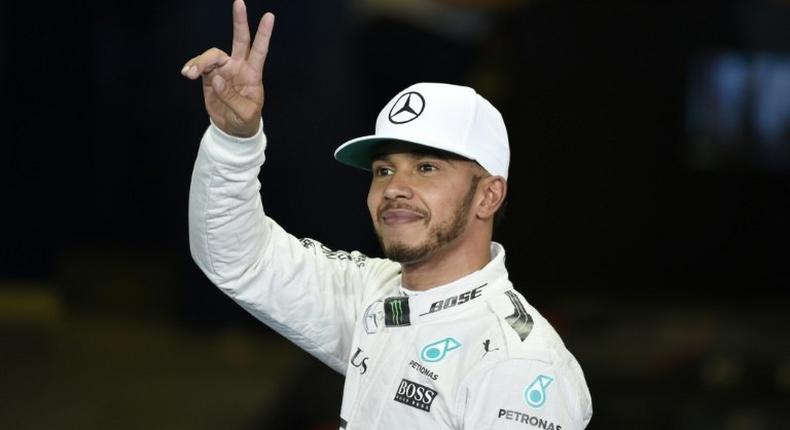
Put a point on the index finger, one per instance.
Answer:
(260, 46)
(241, 30)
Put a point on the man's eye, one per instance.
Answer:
(382, 171)
(427, 167)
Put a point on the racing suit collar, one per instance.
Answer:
(449, 298)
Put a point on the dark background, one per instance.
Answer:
(666, 273)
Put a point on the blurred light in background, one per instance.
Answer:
(739, 110)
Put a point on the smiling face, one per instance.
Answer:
(420, 201)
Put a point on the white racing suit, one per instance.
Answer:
(469, 355)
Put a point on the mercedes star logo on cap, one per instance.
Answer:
(407, 108)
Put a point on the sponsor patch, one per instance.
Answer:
(415, 395)
(355, 257)
(424, 370)
(535, 393)
(529, 420)
(396, 312)
(373, 318)
(519, 320)
(487, 347)
(455, 300)
(359, 360)
(407, 108)
(436, 351)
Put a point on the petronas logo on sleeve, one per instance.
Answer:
(396, 311)
(535, 393)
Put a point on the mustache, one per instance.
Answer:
(400, 205)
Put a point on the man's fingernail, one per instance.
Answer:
(184, 70)
(192, 69)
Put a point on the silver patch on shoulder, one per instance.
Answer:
(520, 320)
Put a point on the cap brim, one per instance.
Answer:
(359, 152)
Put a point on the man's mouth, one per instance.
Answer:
(400, 216)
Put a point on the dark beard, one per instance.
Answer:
(438, 237)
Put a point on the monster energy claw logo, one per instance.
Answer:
(396, 311)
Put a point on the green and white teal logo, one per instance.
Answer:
(535, 393)
(436, 351)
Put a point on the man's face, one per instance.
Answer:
(420, 201)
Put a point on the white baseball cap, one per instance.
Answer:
(448, 117)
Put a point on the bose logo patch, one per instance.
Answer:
(455, 300)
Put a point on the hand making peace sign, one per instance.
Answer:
(232, 85)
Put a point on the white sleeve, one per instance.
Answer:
(301, 289)
(526, 393)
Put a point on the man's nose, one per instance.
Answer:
(398, 186)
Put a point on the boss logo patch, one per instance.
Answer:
(415, 395)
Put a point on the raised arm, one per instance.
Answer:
(233, 85)
(307, 293)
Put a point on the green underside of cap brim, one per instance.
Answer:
(359, 152)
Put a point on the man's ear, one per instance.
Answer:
(494, 190)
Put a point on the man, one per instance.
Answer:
(434, 336)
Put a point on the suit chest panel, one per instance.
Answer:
(411, 374)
